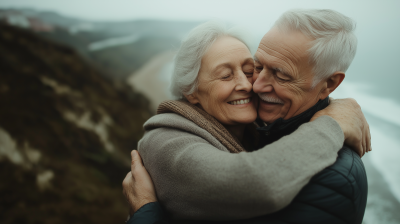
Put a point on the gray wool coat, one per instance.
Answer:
(196, 178)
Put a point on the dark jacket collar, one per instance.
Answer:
(280, 127)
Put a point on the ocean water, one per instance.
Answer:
(384, 120)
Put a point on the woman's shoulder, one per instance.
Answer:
(175, 122)
(167, 120)
(167, 129)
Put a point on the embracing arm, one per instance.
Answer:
(338, 194)
(194, 180)
(139, 192)
(347, 112)
(205, 191)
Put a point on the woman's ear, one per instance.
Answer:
(331, 84)
(192, 98)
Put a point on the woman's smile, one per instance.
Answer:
(241, 102)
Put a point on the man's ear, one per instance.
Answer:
(332, 83)
(192, 98)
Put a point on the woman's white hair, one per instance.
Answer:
(334, 45)
(188, 58)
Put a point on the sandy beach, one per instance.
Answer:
(148, 81)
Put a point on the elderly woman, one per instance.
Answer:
(195, 148)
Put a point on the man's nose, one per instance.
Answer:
(262, 84)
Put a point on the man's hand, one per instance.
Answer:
(348, 114)
(137, 186)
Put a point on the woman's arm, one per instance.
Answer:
(337, 193)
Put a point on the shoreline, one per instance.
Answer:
(147, 79)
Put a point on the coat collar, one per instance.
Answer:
(280, 127)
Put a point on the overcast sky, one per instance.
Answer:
(375, 18)
(256, 14)
(253, 11)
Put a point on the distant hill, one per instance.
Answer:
(120, 60)
(65, 134)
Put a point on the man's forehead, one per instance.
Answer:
(283, 48)
(260, 57)
(275, 66)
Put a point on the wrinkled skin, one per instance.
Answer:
(351, 119)
(137, 186)
(283, 73)
(283, 78)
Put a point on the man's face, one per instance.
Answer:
(283, 76)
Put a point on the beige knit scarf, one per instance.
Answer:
(203, 120)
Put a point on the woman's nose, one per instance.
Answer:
(243, 84)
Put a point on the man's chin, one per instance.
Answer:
(267, 117)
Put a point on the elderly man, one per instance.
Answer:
(298, 63)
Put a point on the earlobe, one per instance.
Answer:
(192, 98)
(334, 81)
(331, 84)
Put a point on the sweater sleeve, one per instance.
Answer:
(196, 181)
(336, 195)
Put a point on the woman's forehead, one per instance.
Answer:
(226, 51)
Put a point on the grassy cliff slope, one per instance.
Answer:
(65, 134)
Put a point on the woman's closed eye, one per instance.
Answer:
(258, 69)
(226, 77)
(248, 70)
(248, 73)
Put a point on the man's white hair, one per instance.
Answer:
(188, 58)
(334, 44)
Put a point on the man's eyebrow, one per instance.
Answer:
(276, 69)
